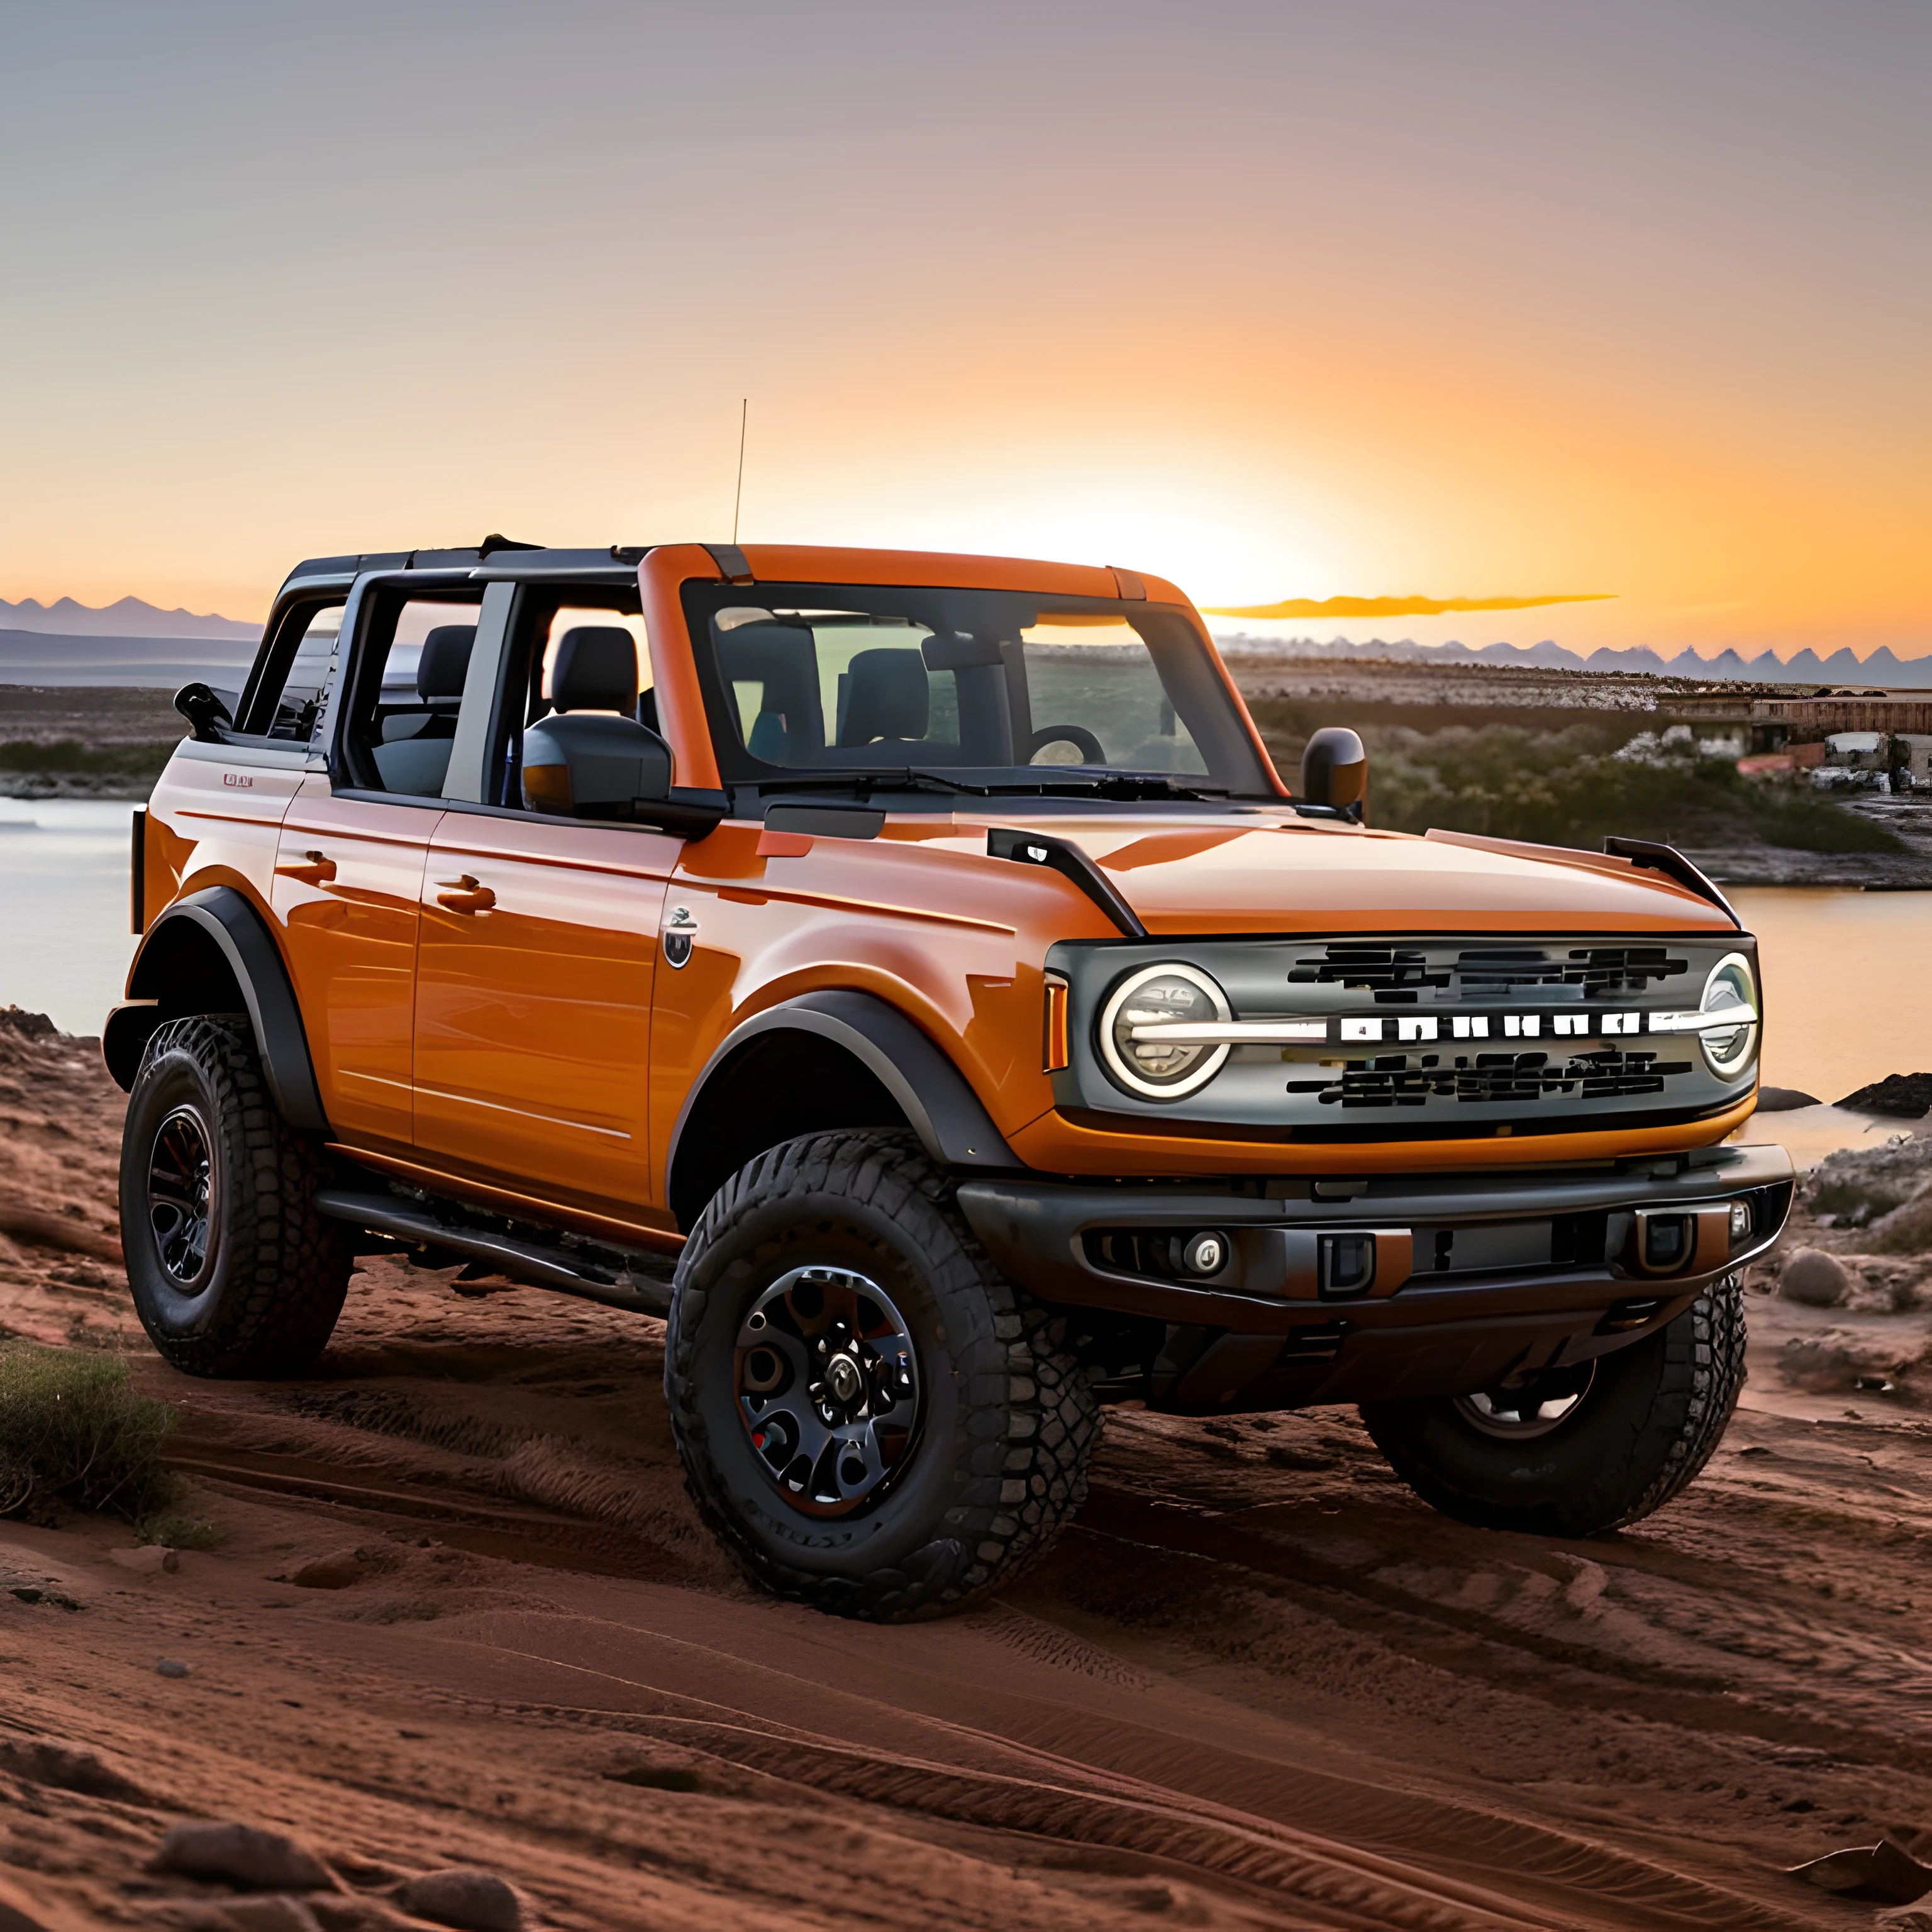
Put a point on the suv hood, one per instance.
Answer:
(1313, 875)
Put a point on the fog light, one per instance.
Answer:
(1740, 1220)
(1204, 1253)
(1347, 1264)
(1666, 1241)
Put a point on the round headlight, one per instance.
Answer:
(1728, 1051)
(1142, 1031)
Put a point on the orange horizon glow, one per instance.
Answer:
(1490, 295)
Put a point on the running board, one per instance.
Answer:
(521, 1261)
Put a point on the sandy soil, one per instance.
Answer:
(462, 1614)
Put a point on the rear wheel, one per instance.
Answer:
(233, 1270)
(1578, 1450)
(872, 1418)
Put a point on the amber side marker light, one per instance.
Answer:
(1054, 1054)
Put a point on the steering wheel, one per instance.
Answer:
(1092, 752)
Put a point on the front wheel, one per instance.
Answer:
(233, 1270)
(872, 1419)
(1578, 1451)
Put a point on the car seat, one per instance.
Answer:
(888, 699)
(417, 762)
(782, 661)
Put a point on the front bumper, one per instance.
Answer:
(1469, 1279)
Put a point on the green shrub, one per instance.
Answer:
(70, 755)
(1571, 785)
(180, 1532)
(72, 1429)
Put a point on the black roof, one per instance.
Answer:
(466, 559)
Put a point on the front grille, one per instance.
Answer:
(1411, 1080)
(1396, 975)
(1417, 1036)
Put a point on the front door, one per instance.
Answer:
(533, 1001)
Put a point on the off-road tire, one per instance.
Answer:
(999, 1463)
(271, 1285)
(1651, 1416)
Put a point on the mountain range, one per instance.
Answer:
(1883, 668)
(129, 618)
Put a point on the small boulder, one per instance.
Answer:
(1904, 1096)
(1783, 1099)
(250, 1859)
(1814, 1278)
(171, 1666)
(341, 1569)
(476, 1901)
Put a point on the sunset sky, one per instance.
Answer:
(1460, 299)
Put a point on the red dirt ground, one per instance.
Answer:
(462, 1613)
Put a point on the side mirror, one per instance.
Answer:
(207, 715)
(590, 765)
(1335, 769)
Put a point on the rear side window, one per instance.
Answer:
(409, 689)
(300, 663)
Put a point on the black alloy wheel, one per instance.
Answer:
(181, 1193)
(872, 1419)
(828, 1385)
(233, 1272)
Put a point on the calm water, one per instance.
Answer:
(1843, 971)
(64, 944)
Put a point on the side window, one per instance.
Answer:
(300, 663)
(409, 689)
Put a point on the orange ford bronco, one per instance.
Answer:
(907, 975)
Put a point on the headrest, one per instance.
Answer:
(596, 670)
(888, 697)
(445, 661)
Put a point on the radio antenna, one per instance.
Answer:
(738, 497)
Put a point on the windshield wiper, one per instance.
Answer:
(1125, 785)
(891, 778)
(1121, 785)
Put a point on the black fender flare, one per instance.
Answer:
(952, 1122)
(224, 917)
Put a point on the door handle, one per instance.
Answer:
(463, 895)
(312, 868)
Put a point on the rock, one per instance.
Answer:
(61, 1766)
(250, 1859)
(28, 1026)
(148, 1559)
(1905, 1096)
(1884, 1870)
(1783, 1099)
(1907, 1228)
(171, 1666)
(1857, 1184)
(1836, 1361)
(1814, 1278)
(340, 1569)
(477, 1901)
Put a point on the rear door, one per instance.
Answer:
(354, 847)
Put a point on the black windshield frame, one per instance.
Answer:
(1182, 659)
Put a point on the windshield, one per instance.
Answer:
(988, 689)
